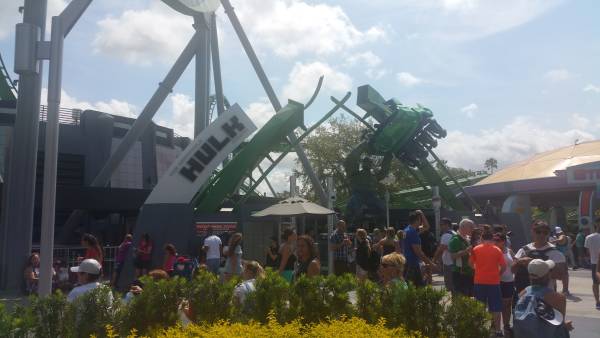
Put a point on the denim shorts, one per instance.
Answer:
(489, 295)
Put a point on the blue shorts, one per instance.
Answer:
(489, 295)
(507, 289)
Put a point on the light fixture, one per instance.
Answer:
(193, 7)
(226, 210)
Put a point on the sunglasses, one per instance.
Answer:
(385, 265)
(539, 232)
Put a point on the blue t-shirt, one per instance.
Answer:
(411, 238)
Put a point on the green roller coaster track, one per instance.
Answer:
(7, 87)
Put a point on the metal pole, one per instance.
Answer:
(216, 63)
(17, 210)
(293, 186)
(387, 208)
(330, 221)
(436, 202)
(51, 158)
(237, 26)
(61, 26)
(202, 74)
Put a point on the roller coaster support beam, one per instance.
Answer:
(202, 73)
(17, 211)
(61, 26)
(272, 97)
(140, 124)
(339, 104)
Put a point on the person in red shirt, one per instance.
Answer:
(488, 262)
(170, 259)
(93, 250)
(143, 256)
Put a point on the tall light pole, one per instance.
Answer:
(387, 208)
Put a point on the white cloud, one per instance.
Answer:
(260, 112)
(144, 36)
(592, 89)
(523, 137)
(304, 76)
(368, 61)
(112, 106)
(280, 176)
(557, 75)
(470, 110)
(287, 27)
(182, 118)
(579, 121)
(292, 27)
(470, 19)
(408, 80)
(365, 59)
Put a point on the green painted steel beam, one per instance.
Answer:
(236, 170)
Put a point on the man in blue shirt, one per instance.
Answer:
(340, 245)
(412, 248)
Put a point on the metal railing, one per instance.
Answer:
(69, 255)
(65, 115)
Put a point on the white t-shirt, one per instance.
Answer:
(592, 243)
(508, 275)
(446, 256)
(213, 243)
(243, 289)
(553, 255)
(81, 290)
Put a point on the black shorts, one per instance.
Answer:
(463, 283)
(507, 289)
(594, 276)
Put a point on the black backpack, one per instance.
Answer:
(522, 275)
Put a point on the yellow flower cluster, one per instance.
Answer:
(353, 327)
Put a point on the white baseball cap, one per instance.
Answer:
(558, 230)
(539, 268)
(89, 265)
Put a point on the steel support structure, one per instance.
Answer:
(19, 191)
(202, 74)
(262, 76)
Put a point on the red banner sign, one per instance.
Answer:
(218, 227)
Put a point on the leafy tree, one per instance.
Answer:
(491, 164)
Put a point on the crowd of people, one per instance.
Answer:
(475, 260)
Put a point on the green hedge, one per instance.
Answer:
(425, 311)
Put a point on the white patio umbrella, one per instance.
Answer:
(294, 206)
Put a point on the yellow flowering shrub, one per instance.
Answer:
(353, 327)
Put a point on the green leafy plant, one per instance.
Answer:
(209, 299)
(156, 307)
(467, 318)
(90, 314)
(416, 309)
(273, 293)
(368, 301)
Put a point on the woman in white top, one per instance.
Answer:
(233, 264)
(507, 280)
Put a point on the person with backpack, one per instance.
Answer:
(540, 311)
(540, 248)
(443, 252)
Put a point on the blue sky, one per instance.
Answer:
(507, 79)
